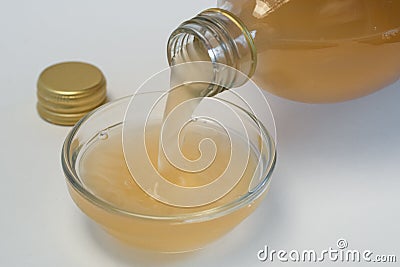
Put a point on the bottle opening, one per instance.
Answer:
(216, 36)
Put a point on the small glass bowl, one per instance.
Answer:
(169, 233)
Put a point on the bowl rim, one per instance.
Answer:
(204, 215)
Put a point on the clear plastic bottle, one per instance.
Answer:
(314, 51)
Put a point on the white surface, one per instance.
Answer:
(337, 175)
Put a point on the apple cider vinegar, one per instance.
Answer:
(104, 172)
(314, 51)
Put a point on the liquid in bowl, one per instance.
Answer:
(100, 184)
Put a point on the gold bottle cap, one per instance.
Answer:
(67, 91)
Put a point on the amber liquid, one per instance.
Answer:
(184, 96)
(324, 50)
(104, 172)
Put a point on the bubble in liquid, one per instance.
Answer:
(103, 135)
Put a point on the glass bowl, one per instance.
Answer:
(188, 230)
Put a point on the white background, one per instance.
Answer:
(338, 171)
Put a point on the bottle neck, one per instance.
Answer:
(217, 36)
